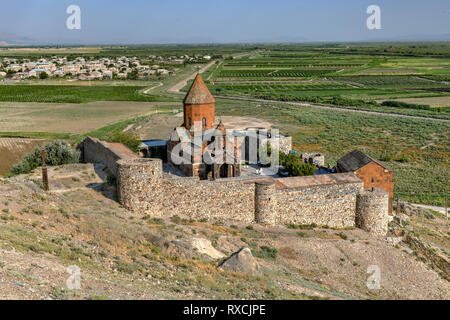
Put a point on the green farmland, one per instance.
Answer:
(350, 76)
(347, 77)
(417, 150)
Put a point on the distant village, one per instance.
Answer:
(89, 68)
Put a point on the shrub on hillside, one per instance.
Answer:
(266, 252)
(58, 152)
(128, 139)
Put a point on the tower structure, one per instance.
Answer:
(199, 105)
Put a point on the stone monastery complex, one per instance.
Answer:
(211, 182)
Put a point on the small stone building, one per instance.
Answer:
(374, 173)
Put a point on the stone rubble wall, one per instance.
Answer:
(224, 199)
(265, 194)
(96, 151)
(314, 158)
(372, 211)
(143, 188)
(139, 182)
(331, 205)
(285, 144)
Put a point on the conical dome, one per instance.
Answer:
(198, 93)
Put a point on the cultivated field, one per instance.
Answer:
(69, 117)
(418, 150)
(13, 149)
(434, 102)
(73, 94)
(347, 76)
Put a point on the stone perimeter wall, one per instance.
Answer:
(331, 205)
(96, 151)
(142, 188)
(225, 199)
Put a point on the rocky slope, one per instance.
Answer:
(122, 255)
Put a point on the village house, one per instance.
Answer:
(39, 71)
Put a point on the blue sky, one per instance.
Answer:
(220, 21)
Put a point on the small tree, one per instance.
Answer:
(43, 75)
(295, 166)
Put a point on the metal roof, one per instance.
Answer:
(154, 143)
(355, 160)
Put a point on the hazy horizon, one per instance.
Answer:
(139, 22)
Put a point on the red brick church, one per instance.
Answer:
(199, 109)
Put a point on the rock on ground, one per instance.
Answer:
(241, 261)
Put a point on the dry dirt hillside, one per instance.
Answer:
(123, 255)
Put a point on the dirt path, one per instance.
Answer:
(176, 88)
(439, 209)
(154, 87)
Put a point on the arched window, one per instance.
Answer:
(189, 120)
(204, 121)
